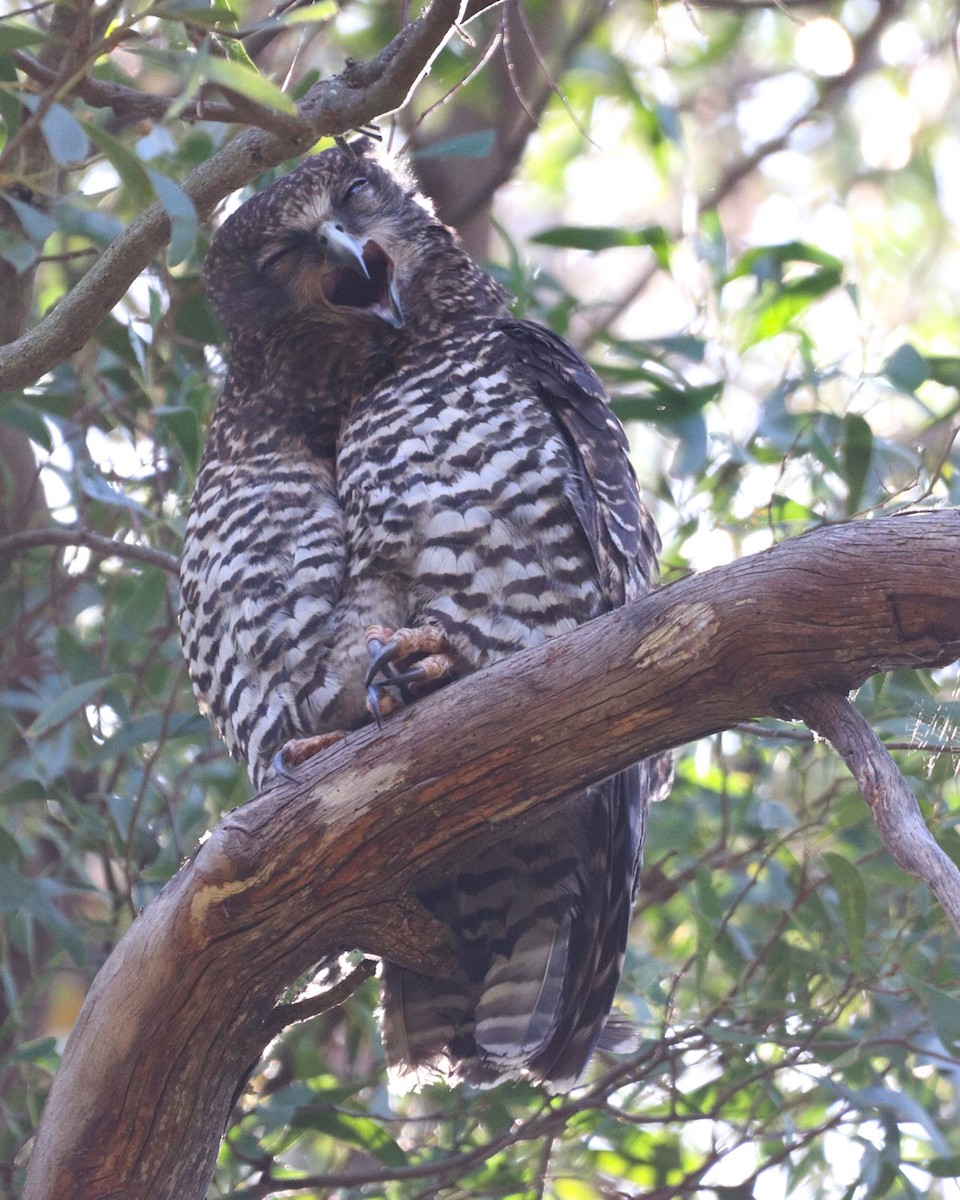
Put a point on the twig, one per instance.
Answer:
(72, 536)
(122, 100)
(797, 735)
(302, 1010)
(894, 807)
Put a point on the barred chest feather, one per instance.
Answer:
(453, 486)
(263, 564)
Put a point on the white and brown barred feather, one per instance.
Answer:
(393, 448)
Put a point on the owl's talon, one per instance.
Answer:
(387, 646)
(381, 654)
(373, 703)
(394, 658)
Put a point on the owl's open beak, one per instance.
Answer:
(362, 276)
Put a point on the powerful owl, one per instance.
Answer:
(401, 484)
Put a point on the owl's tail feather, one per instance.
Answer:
(541, 922)
(419, 1020)
(517, 1012)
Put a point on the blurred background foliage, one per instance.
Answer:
(745, 215)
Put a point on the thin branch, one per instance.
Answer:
(302, 1010)
(893, 805)
(258, 37)
(798, 735)
(510, 145)
(358, 95)
(122, 100)
(14, 543)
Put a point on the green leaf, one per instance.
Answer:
(906, 368)
(573, 1189)
(37, 225)
(97, 488)
(151, 728)
(781, 303)
(14, 36)
(325, 10)
(137, 614)
(36, 895)
(77, 221)
(17, 251)
(21, 416)
(605, 237)
(942, 1168)
(857, 452)
(944, 1011)
(67, 703)
(131, 170)
(42, 1050)
(182, 214)
(62, 132)
(144, 183)
(183, 424)
(26, 791)
(944, 369)
(767, 262)
(359, 1131)
(852, 896)
(771, 814)
(238, 77)
(10, 852)
(467, 145)
(217, 16)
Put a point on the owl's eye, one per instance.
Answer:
(280, 249)
(357, 186)
(273, 256)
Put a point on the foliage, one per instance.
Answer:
(744, 220)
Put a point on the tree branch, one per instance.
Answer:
(15, 543)
(359, 94)
(122, 100)
(330, 861)
(331, 997)
(893, 805)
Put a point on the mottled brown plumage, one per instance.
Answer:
(392, 448)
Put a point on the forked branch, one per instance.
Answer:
(188, 999)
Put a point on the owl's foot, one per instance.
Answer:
(295, 753)
(408, 659)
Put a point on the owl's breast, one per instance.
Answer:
(456, 483)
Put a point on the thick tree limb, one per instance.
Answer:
(893, 805)
(187, 1000)
(359, 94)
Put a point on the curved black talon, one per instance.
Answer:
(373, 702)
(381, 655)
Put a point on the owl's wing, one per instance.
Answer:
(621, 533)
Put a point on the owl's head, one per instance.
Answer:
(333, 242)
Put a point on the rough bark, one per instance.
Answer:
(187, 1000)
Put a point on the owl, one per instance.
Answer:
(401, 484)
